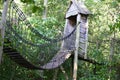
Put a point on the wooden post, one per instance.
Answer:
(77, 48)
(2, 28)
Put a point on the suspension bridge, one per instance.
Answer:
(23, 39)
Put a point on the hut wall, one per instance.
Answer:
(83, 34)
(69, 43)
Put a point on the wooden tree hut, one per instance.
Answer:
(76, 14)
(76, 17)
(76, 11)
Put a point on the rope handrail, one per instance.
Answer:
(27, 23)
(30, 43)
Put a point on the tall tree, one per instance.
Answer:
(2, 27)
(45, 9)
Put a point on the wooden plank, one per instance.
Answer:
(2, 28)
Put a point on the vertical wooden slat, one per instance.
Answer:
(77, 48)
(2, 28)
(86, 41)
(65, 29)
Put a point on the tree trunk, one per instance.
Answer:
(2, 28)
(111, 56)
(45, 9)
(111, 49)
(55, 75)
(66, 76)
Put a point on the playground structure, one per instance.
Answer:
(20, 33)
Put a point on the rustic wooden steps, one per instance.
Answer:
(15, 56)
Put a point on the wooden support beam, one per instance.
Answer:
(77, 48)
(2, 28)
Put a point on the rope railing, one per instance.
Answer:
(24, 40)
(9, 26)
(22, 17)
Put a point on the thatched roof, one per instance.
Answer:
(77, 8)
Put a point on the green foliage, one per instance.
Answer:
(49, 27)
(11, 71)
(115, 26)
(27, 1)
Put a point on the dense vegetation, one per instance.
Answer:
(103, 45)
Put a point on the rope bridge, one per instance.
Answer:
(31, 49)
